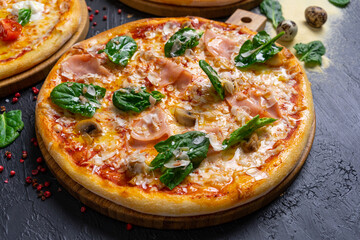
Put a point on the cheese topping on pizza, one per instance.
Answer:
(181, 100)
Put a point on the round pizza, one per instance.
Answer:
(32, 31)
(177, 116)
(198, 3)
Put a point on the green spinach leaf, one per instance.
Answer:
(24, 16)
(78, 97)
(310, 53)
(214, 78)
(340, 3)
(260, 49)
(10, 125)
(181, 40)
(272, 10)
(190, 146)
(245, 131)
(120, 50)
(127, 99)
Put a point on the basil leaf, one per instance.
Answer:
(120, 49)
(10, 125)
(340, 3)
(127, 99)
(272, 10)
(214, 78)
(310, 53)
(260, 49)
(174, 176)
(194, 145)
(181, 40)
(78, 97)
(245, 131)
(24, 16)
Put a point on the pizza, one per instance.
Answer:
(177, 116)
(198, 3)
(32, 31)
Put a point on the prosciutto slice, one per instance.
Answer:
(149, 127)
(171, 73)
(256, 104)
(219, 45)
(78, 66)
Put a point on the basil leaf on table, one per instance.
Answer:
(10, 125)
(340, 3)
(214, 78)
(127, 99)
(192, 146)
(78, 97)
(181, 40)
(272, 10)
(260, 49)
(24, 16)
(120, 49)
(310, 53)
(245, 131)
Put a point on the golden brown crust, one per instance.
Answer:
(242, 189)
(198, 3)
(60, 34)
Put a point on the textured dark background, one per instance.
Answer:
(322, 203)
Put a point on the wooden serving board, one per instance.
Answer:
(127, 215)
(167, 10)
(40, 71)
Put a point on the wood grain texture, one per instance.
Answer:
(166, 10)
(124, 214)
(40, 71)
(253, 21)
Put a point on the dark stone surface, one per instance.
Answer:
(322, 203)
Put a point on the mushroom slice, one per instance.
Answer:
(184, 117)
(89, 127)
(252, 144)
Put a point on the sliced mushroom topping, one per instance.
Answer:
(184, 117)
(252, 144)
(89, 127)
(229, 87)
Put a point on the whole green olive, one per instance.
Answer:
(315, 16)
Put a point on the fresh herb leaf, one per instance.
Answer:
(181, 40)
(260, 49)
(245, 131)
(214, 78)
(310, 53)
(340, 3)
(127, 99)
(24, 16)
(10, 125)
(194, 146)
(78, 97)
(272, 10)
(120, 49)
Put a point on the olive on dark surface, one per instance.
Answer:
(315, 16)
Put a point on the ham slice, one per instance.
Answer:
(171, 73)
(82, 65)
(256, 104)
(218, 45)
(149, 127)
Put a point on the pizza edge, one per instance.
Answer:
(197, 3)
(47, 48)
(160, 203)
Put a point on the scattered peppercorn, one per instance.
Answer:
(14, 100)
(28, 180)
(128, 226)
(24, 154)
(35, 143)
(35, 90)
(104, 17)
(46, 184)
(89, 9)
(96, 11)
(82, 209)
(17, 95)
(8, 155)
(32, 140)
(59, 189)
(39, 187)
(43, 170)
(34, 172)
(12, 173)
(39, 160)
(47, 194)
(94, 23)
(35, 185)
(39, 167)
(34, 98)
(21, 160)
(1, 168)
(6, 181)
(43, 198)
(119, 11)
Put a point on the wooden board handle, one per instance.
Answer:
(251, 20)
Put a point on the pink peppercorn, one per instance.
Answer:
(34, 172)
(12, 173)
(82, 209)
(14, 100)
(1, 168)
(47, 194)
(104, 17)
(128, 226)
(39, 160)
(17, 95)
(28, 180)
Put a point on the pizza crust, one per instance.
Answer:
(62, 32)
(161, 203)
(198, 3)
